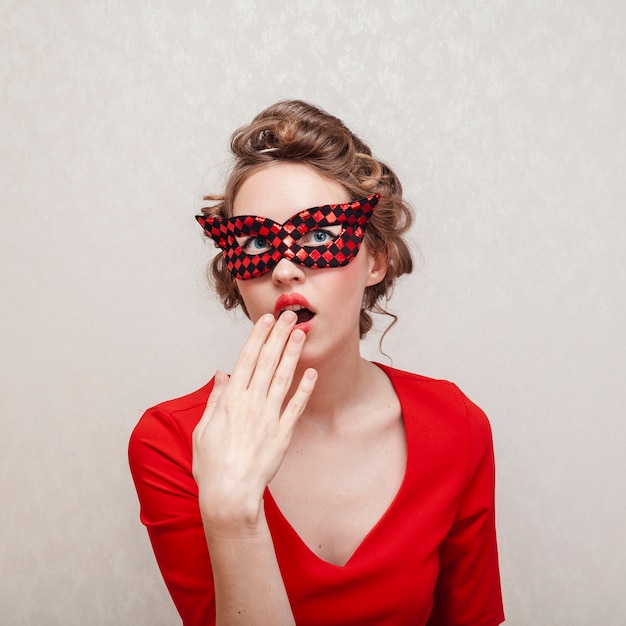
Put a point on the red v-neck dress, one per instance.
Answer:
(431, 559)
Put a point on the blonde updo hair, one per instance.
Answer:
(293, 130)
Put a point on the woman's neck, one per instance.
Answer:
(342, 385)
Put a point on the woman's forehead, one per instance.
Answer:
(281, 189)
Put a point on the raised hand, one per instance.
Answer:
(245, 431)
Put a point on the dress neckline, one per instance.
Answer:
(370, 535)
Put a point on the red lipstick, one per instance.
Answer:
(300, 305)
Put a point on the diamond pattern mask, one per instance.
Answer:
(319, 237)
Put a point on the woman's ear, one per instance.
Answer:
(378, 266)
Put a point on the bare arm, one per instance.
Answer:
(238, 447)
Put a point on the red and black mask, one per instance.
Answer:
(319, 237)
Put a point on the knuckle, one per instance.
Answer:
(296, 405)
(281, 379)
(266, 360)
(247, 358)
(293, 350)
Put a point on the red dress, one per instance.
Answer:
(430, 560)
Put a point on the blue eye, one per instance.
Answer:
(319, 236)
(255, 245)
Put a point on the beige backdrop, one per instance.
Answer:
(506, 122)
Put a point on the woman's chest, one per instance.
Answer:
(387, 567)
(334, 492)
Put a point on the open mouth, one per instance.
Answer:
(304, 314)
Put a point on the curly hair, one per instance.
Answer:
(296, 131)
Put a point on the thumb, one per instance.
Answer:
(219, 380)
(219, 383)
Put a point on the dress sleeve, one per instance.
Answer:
(468, 586)
(160, 462)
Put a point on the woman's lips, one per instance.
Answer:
(291, 302)
(298, 304)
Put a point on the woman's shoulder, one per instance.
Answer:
(412, 380)
(177, 416)
(189, 403)
(438, 400)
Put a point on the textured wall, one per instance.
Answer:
(506, 122)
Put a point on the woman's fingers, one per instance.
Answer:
(283, 374)
(249, 355)
(271, 355)
(245, 431)
(261, 353)
(296, 405)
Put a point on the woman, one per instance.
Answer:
(312, 486)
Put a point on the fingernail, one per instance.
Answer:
(297, 336)
(289, 317)
(266, 320)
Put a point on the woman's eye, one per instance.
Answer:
(319, 237)
(255, 245)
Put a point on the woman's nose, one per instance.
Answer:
(286, 271)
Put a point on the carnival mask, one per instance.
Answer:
(319, 237)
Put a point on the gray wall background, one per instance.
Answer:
(506, 122)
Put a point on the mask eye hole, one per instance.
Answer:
(320, 236)
(253, 245)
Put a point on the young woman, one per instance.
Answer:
(311, 486)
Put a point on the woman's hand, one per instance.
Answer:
(243, 436)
